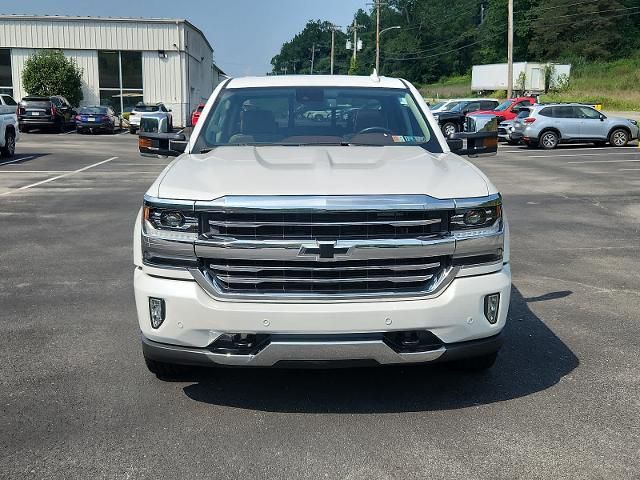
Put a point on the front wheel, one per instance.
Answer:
(619, 138)
(449, 128)
(549, 140)
(9, 149)
(132, 130)
(475, 364)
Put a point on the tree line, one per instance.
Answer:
(441, 39)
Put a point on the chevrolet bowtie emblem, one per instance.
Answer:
(324, 251)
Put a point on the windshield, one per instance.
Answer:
(146, 108)
(315, 116)
(450, 106)
(436, 106)
(503, 106)
(94, 110)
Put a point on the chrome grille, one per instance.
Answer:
(322, 225)
(340, 277)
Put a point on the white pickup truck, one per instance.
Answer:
(9, 132)
(366, 239)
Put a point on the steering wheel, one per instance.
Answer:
(374, 130)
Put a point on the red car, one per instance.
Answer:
(508, 110)
(195, 115)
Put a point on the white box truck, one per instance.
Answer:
(493, 77)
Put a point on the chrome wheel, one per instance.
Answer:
(619, 138)
(549, 140)
(449, 129)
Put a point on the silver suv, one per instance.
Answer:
(548, 125)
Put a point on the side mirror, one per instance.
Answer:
(481, 135)
(602, 118)
(152, 144)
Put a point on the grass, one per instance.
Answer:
(616, 85)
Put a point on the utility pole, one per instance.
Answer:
(481, 13)
(354, 28)
(510, 52)
(333, 44)
(378, 37)
(313, 56)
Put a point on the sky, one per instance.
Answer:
(245, 34)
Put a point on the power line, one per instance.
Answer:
(503, 31)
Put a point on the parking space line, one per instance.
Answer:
(57, 177)
(21, 159)
(34, 171)
(605, 161)
(552, 155)
(629, 169)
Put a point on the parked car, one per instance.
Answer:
(97, 119)
(453, 121)
(46, 112)
(509, 109)
(141, 108)
(504, 131)
(397, 252)
(549, 125)
(9, 131)
(446, 105)
(195, 115)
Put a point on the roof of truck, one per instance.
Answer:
(316, 81)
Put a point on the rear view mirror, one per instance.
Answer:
(481, 136)
(162, 144)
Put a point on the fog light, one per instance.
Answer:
(491, 304)
(157, 311)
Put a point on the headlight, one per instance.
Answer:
(475, 218)
(170, 222)
(169, 230)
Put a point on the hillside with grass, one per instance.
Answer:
(616, 85)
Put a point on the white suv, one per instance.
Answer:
(276, 239)
(142, 109)
(9, 131)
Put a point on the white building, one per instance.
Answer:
(124, 60)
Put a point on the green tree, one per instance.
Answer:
(353, 67)
(49, 72)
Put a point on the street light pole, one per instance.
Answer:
(395, 27)
(378, 37)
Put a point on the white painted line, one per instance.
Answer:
(68, 174)
(34, 171)
(551, 155)
(629, 169)
(21, 159)
(606, 161)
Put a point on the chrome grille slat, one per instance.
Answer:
(400, 223)
(263, 268)
(312, 280)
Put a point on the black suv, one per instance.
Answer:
(45, 112)
(453, 120)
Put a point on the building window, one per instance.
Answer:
(120, 79)
(6, 82)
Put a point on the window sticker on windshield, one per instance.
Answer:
(408, 139)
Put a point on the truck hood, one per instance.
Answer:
(316, 170)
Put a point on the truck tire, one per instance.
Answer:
(132, 130)
(619, 138)
(166, 370)
(449, 128)
(9, 149)
(475, 364)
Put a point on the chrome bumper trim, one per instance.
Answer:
(291, 351)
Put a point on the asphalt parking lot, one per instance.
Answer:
(76, 400)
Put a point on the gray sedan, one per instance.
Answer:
(549, 125)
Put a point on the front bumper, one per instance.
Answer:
(194, 320)
(326, 351)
